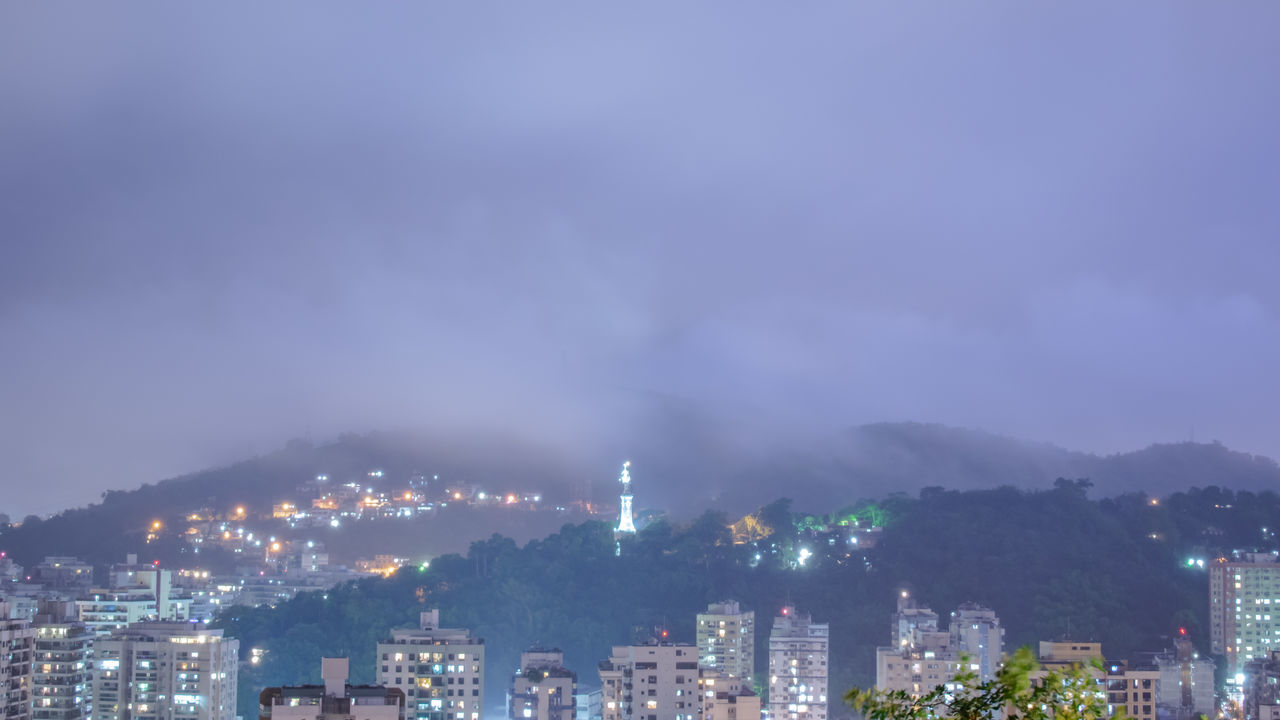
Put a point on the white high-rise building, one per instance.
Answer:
(797, 667)
(165, 671)
(542, 689)
(334, 700)
(440, 670)
(1242, 593)
(727, 639)
(655, 681)
(63, 666)
(976, 634)
(17, 646)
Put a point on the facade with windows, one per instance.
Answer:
(165, 671)
(62, 666)
(798, 649)
(150, 596)
(654, 681)
(977, 635)
(542, 689)
(727, 638)
(726, 698)
(440, 670)
(17, 646)
(1244, 608)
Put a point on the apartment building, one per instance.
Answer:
(440, 670)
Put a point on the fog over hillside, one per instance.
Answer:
(689, 469)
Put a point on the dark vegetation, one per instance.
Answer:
(1047, 561)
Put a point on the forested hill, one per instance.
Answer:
(1112, 570)
(676, 474)
(104, 532)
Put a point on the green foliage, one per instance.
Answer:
(1018, 692)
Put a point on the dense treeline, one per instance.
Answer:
(1047, 561)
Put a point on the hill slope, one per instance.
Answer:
(866, 461)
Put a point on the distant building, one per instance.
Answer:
(17, 648)
(590, 705)
(1262, 688)
(1186, 683)
(1242, 593)
(138, 595)
(727, 638)
(976, 635)
(165, 671)
(654, 681)
(62, 680)
(1132, 689)
(725, 697)
(440, 670)
(67, 574)
(543, 689)
(334, 700)
(909, 618)
(10, 571)
(797, 667)
(921, 657)
(1063, 654)
(1136, 689)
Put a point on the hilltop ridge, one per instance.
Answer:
(865, 461)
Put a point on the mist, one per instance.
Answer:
(688, 236)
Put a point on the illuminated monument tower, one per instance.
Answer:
(626, 525)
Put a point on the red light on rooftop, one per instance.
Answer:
(1182, 631)
(664, 633)
(156, 563)
(784, 610)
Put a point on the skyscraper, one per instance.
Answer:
(441, 670)
(797, 667)
(726, 640)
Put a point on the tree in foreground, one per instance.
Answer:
(1021, 690)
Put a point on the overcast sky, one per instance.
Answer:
(227, 225)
